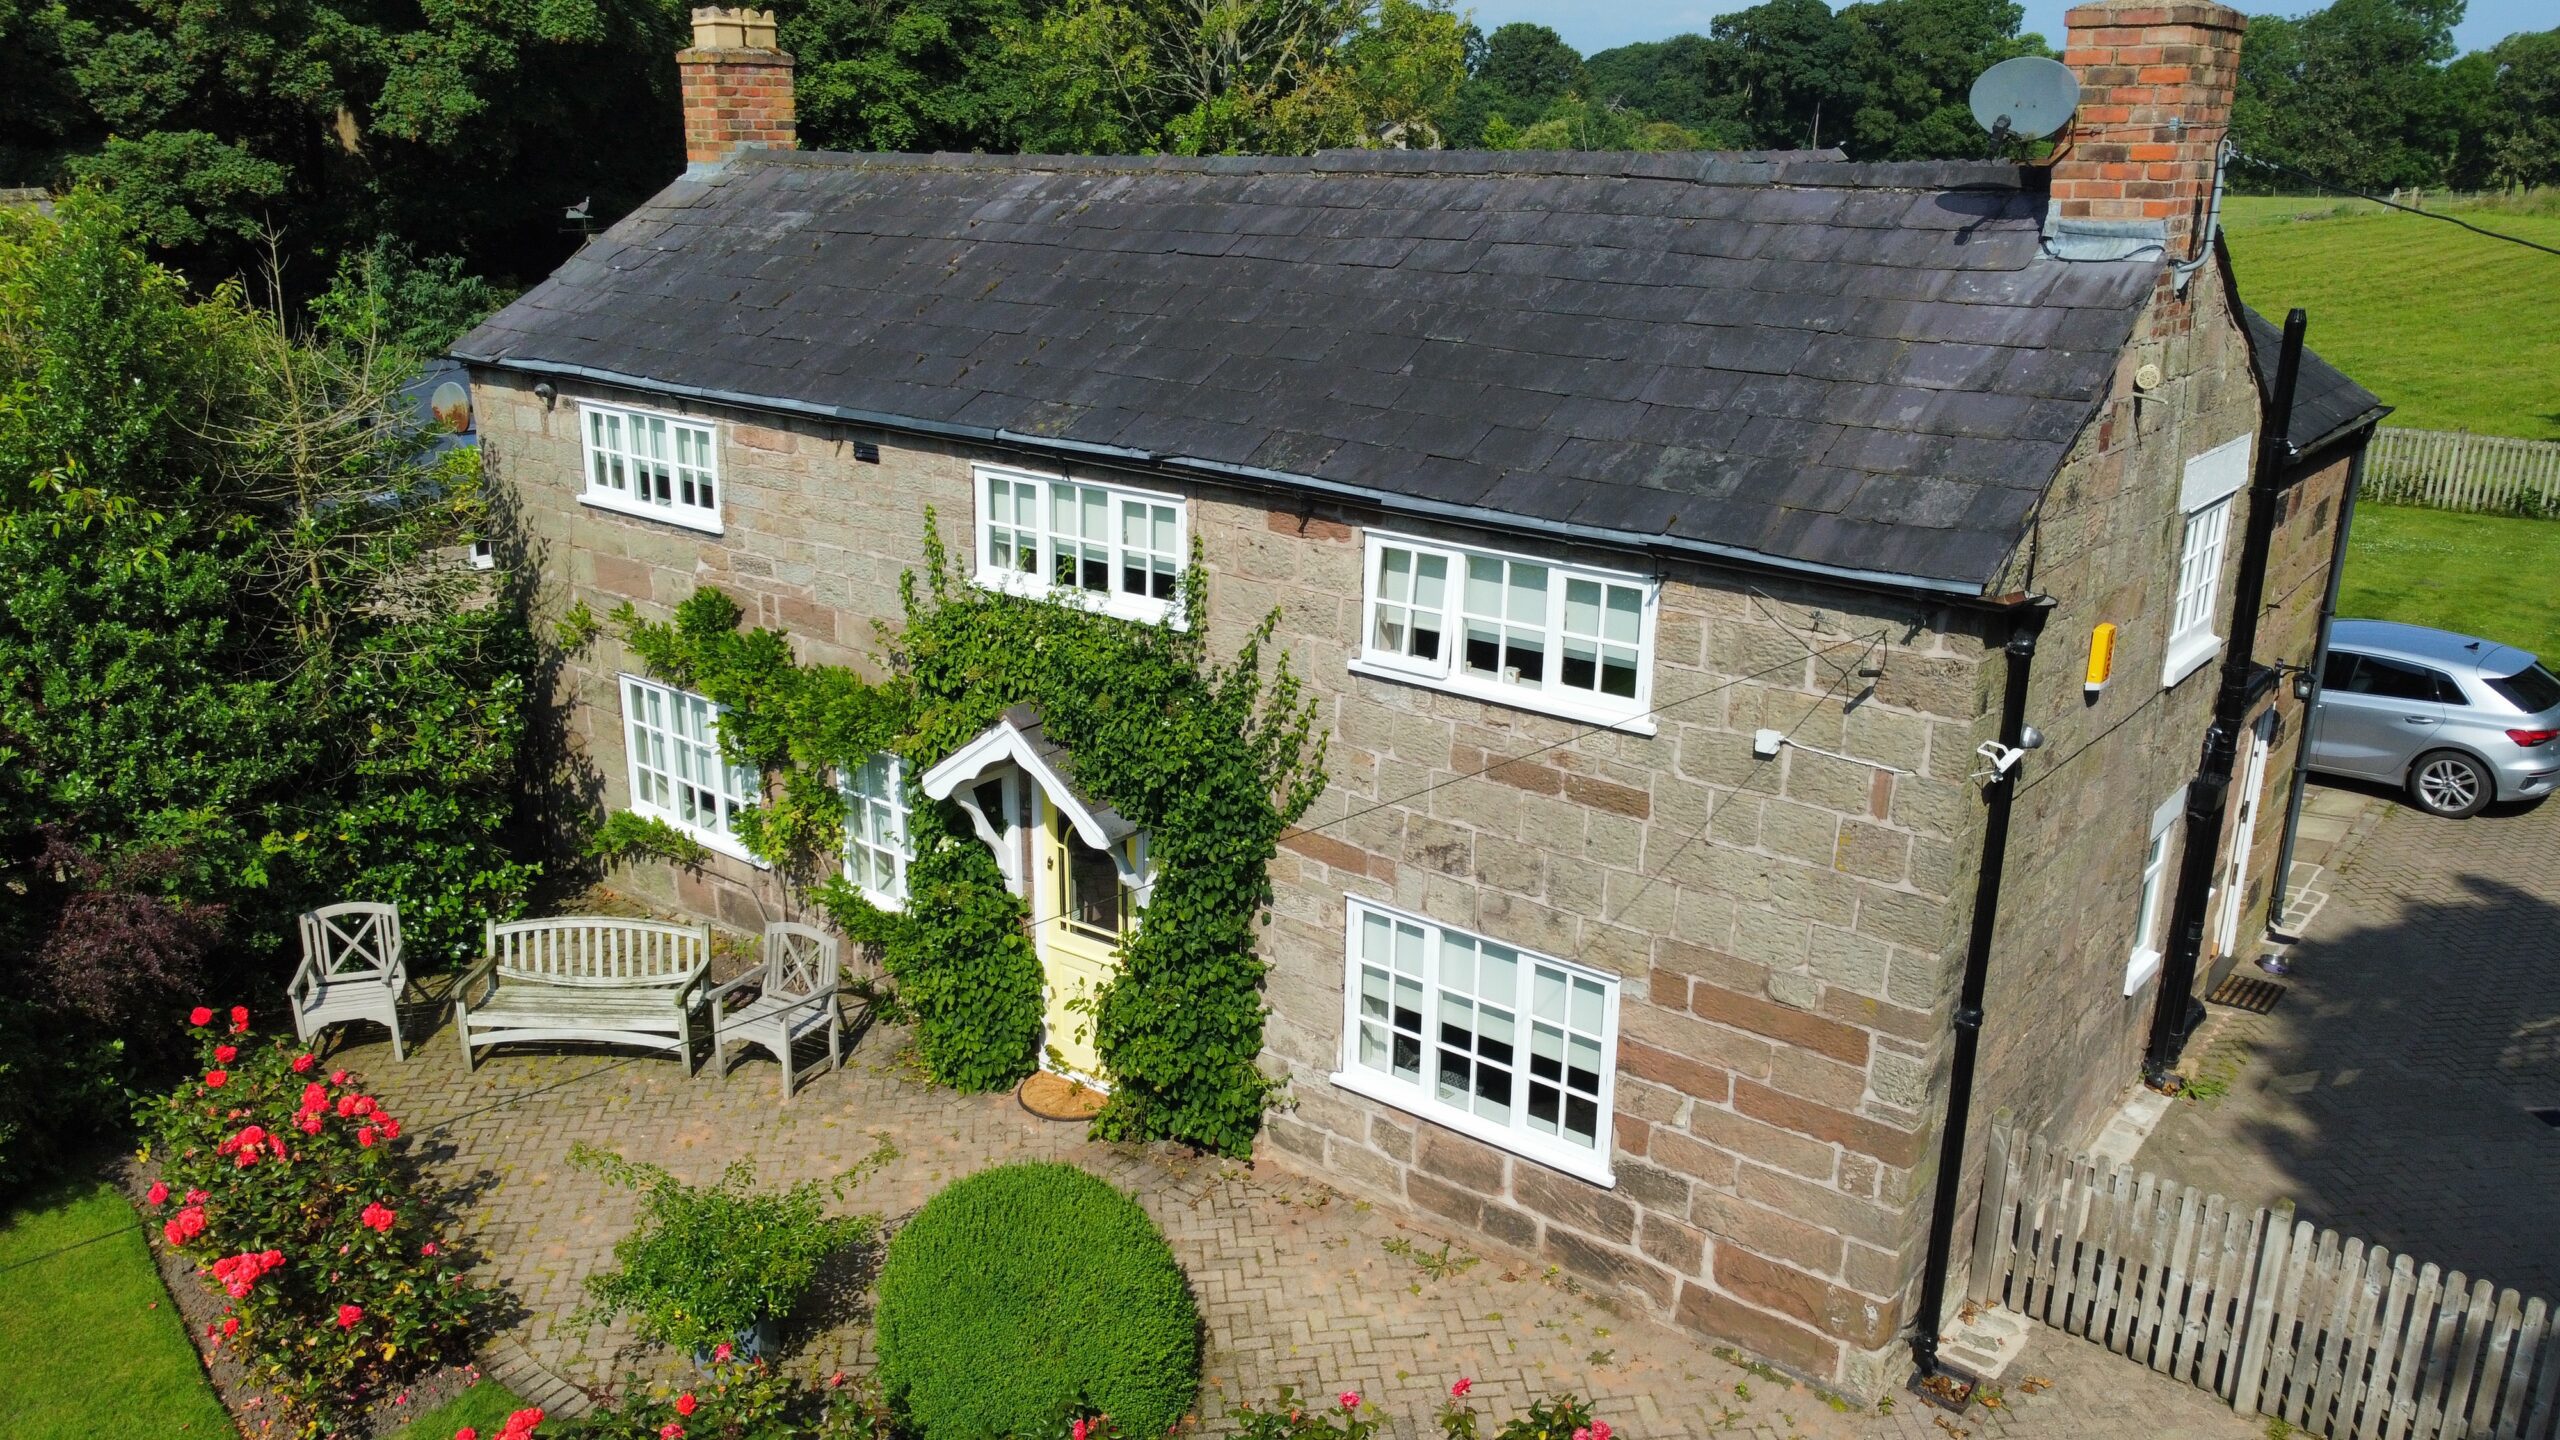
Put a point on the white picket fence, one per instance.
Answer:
(2455, 470)
(2333, 1336)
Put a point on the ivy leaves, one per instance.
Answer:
(1213, 761)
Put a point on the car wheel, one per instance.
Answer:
(2451, 784)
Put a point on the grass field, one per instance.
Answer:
(84, 1352)
(2459, 331)
(484, 1407)
(2487, 575)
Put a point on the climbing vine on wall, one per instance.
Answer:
(1214, 760)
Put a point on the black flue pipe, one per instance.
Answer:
(2209, 792)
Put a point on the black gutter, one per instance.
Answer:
(1999, 796)
(2312, 682)
(1935, 590)
(2209, 793)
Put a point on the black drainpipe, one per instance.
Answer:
(2210, 790)
(2311, 682)
(1998, 796)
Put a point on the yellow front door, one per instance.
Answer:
(1083, 912)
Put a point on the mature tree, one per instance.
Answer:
(1515, 75)
(1212, 77)
(236, 676)
(460, 128)
(2517, 120)
(901, 74)
(1687, 80)
(1920, 59)
(2354, 95)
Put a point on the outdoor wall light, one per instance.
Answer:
(2102, 661)
(1766, 743)
(547, 393)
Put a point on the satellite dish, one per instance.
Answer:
(2028, 98)
(451, 405)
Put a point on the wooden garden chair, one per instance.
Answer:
(794, 998)
(351, 970)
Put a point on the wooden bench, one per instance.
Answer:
(593, 978)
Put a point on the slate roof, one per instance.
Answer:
(1870, 370)
(2326, 404)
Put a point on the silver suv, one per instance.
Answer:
(2457, 720)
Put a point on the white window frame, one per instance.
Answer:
(2205, 495)
(1420, 1096)
(663, 752)
(2150, 893)
(652, 464)
(1448, 670)
(875, 827)
(1120, 503)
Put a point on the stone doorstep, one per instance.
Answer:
(2130, 1126)
(1983, 1341)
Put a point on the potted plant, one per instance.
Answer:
(714, 1268)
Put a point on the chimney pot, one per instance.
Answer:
(737, 87)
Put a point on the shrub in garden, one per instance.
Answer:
(279, 1178)
(708, 1263)
(744, 1400)
(1026, 1296)
(1347, 1417)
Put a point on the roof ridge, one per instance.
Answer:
(1806, 169)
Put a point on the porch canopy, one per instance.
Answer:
(1017, 743)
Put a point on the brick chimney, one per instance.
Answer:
(2155, 104)
(737, 88)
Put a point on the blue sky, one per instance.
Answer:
(1590, 25)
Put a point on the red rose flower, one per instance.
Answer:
(364, 1136)
(157, 1195)
(216, 1079)
(225, 1054)
(348, 1315)
(239, 1018)
(337, 1077)
(302, 1063)
(201, 1015)
(686, 1404)
(671, 1431)
(378, 1218)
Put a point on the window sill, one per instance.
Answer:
(1586, 1166)
(1537, 702)
(1141, 609)
(2188, 655)
(711, 840)
(2141, 970)
(664, 514)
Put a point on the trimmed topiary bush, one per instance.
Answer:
(1029, 1295)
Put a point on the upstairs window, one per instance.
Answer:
(1564, 639)
(657, 466)
(875, 831)
(1047, 536)
(1500, 1043)
(2212, 479)
(677, 774)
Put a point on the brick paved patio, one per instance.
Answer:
(2389, 1094)
(1298, 1286)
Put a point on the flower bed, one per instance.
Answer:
(281, 1184)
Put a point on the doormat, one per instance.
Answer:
(1055, 1097)
(2248, 992)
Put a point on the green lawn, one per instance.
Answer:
(2459, 331)
(83, 1353)
(2487, 575)
(484, 1407)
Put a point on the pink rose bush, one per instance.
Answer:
(310, 1231)
(746, 1400)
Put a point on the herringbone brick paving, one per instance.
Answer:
(1298, 1285)
(2389, 1094)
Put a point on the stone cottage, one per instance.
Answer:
(1691, 554)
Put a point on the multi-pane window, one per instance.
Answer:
(2205, 498)
(677, 774)
(1566, 639)
(1503, 1043)
(875, 831)
(1039, 535)
(2145, 960)
(649, 464)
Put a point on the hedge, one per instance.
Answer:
(1027, 1295)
